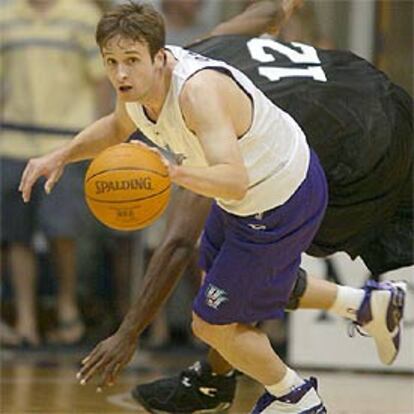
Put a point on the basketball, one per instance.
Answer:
(127, 187)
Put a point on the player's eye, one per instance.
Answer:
(132, 60)
(110, 61)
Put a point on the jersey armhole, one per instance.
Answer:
(228, 73)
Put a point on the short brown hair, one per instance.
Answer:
(137, 21)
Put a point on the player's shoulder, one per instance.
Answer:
(204, 83)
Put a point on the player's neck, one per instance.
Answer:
(155, 101)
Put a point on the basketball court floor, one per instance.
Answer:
(44, 382)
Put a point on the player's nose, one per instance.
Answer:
(121, 73)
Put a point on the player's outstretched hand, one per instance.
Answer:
(49, 166)
(107, 360)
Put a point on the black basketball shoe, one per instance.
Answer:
(194, 390)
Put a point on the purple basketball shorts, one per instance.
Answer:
(252, 262)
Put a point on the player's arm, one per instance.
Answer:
(185, 220)
(225, 176)
(263, 16)
(109, 130)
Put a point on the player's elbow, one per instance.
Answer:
(239, 193)
(241, 186)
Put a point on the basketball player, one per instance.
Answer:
(369, 217)
(270, 194)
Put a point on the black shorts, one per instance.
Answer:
(373, 217)
(393, 246)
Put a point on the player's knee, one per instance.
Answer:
(200, 328)
(207, 332)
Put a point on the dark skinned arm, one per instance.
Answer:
(262, 16)
(185, 221)
(187, 215)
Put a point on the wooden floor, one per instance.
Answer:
(44, 382)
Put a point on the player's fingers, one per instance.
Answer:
(116, 370)
(29, 180)
(52, 180)
(95, 351)
(109, 375)
(26, 193)
(172, 170)
(90, 370)
(162, 157)
(87, 363)
(24, 176)
(88, 366)
(138, 142)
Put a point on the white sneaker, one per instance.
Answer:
(380, 316)
(302, 400)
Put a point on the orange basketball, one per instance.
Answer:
(127, 187)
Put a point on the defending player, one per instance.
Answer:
(225, 177)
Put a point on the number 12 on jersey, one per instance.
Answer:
(305, 55)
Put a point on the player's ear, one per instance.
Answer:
(160, 59)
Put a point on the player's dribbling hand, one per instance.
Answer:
(153, 149)
(49, 166)
(107, 360)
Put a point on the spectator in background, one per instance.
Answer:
(184, 20)
(52, 83)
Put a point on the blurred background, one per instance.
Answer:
(66, 283)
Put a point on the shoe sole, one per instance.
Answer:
(220, 408)
(383, 338)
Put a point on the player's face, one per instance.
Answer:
(130, 68)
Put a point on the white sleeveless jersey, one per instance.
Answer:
(274, 149)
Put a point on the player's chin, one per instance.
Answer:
(128, 96)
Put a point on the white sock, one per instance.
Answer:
(348, 300)
(290, 381)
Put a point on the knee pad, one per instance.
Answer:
(298, 290)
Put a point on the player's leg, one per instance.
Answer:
(377, 308)
(218, 374)
(249, 349)
(203, 389)
(249, 278)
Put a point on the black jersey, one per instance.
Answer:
(356, 119)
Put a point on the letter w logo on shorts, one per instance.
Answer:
(215, 296)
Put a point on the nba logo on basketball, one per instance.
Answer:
(215, 296)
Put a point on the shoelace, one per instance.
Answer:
(354, 328)
(193, 371)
